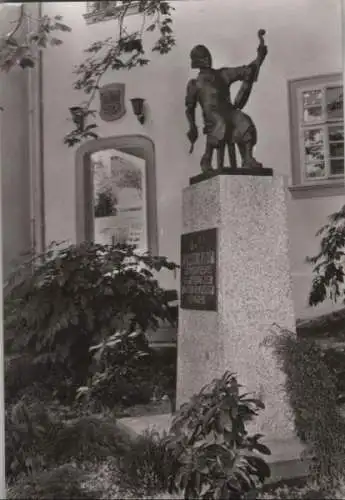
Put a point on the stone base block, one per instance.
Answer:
(254, 291)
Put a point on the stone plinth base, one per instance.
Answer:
(231, 171)
(253, 292)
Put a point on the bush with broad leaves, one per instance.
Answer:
(329, 262)
(210, 454)
(75, 297)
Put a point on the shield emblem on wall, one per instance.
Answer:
(112, 101)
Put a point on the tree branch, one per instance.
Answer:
(129, 45)
(18, 23)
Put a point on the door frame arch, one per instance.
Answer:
(137, 145)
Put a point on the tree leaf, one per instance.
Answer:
(62, 27)
(55, 41)
(152, 27)
(262, 448)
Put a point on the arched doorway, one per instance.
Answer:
(126, 161)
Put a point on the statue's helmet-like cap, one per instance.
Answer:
(201, 57)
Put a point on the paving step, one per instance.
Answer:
(285, 461)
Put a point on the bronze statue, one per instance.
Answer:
(224, 122)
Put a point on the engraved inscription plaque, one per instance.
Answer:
(199, 270)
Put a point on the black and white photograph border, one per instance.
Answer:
(172, 218)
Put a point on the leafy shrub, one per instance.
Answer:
(313, 397)
(165, 372)
(63, 482)
(21, 375)
(123, 371)
(35, 440)
(208, 448)
(38, 381)
(311, 492)
(129, 372)
(329, 262)
(334, 358)
(30, 430)
(88, 437)
(143, 468)
(77, 296)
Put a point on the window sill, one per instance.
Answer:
(330, 188)
(107, 15)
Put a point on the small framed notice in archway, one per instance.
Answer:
(199, 270)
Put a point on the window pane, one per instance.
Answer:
(313, 145)
(102, 6)
(313, 170)
(336, 149)
(314, 153)
(312, 114)
(336, 133)
(335, 101)
(312, 98)
(337, 167)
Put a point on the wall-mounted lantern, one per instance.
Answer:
(139, 108)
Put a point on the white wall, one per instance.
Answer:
(15, 172)
(303, 38)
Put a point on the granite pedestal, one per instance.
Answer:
(253, 291)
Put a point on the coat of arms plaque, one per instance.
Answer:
(112, 101)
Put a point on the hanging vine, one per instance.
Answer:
(21, 50)
(18, 49)
(124, 51)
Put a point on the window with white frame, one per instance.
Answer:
(317, 130)
(102, 10)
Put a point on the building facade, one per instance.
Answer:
(16, 175)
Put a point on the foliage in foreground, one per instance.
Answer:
(329, 262)
(127, 372)
(206, 454)
(211, 453)
(312, 392)
(143, 468)
(63, 482)
(334, 358)
(122, 371)
(29, 430)
(37, 440)
(77, 297)
(289, 492)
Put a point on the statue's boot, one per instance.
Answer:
(252, 163)
(212, 143)
(220, 155)
(248, 160)
(206, 163)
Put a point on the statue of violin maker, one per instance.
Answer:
(225, 124)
